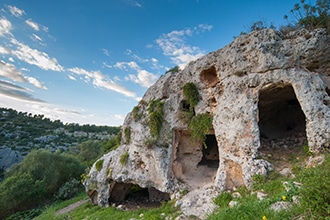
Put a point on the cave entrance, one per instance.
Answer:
(132, 196)
(193, 162)
(282, 124)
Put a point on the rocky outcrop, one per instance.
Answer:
(263, 86)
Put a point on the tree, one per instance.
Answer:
(36, 179)
(311, 16)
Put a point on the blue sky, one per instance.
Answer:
(90, 62)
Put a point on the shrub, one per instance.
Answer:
(311, 16)
(173, 70)
(124, 158)
(199, 126)
(89, 151)
(156, 117)
(136, 113)
(109, 145)
(127, 133)
(69, 189)
(99, 165)
(191, 94)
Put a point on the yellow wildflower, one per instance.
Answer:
(264, 217)
(283, 198)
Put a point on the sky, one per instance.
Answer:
(90, 62)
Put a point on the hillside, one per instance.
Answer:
(21, 132)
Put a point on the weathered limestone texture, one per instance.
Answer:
(264, 86)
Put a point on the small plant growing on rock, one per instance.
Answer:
(199, 126)
(124, 158)
(156, 117)
(173, 70)
(127, 133)
(150, 143)
(191, 94)
(137, 115)
(99, 164)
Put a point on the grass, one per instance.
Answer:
(313, 196)
(89, 212)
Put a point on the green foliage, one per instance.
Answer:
(127, 133)
(36, 179)
(191, 94)
(124, 158)
(118, 138)
(137, 115)
(150, 143)
(156, 117)
(199, 126)
(109, 145)
(173, 70)
(69, 189)
(311, 16)
(89, 151)
(223, 199)
(315, 190)
(99, 165)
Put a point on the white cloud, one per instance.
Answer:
(32, 24)
(36, 83)
(36, 38)
(5, 27)
(174, 45)
(101, 81)
(143, 78)
(35, 57)
(16, 11)
(72, 78)
(9, 71)
(4, 50)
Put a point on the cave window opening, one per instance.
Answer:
(210, 77)
(328, 91)
(210, 152)
(282, 124)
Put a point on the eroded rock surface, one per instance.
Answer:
(261, 88)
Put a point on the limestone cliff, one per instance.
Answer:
(262, 88)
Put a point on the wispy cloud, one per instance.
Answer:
(134, 3)
(9, 71)
(5, 27)
(35, 57)
(15, 11)
(99, 80)
(13, 91)
(174, 44)
(32, 24)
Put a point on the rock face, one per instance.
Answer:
(263, 86)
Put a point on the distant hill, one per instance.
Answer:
(20, 132)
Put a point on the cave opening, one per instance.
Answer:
(133, 196)
(195, 163)
(282, 124)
